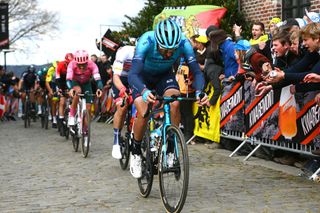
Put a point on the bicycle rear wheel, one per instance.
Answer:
(42, 116)
(146, 180)
(60, 127)
(65, 123)
(27, 114)
(125, 151)
(174, 175)
(46, 115)
(85, 142)
(75, 142)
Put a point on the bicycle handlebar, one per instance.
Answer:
(167, 100)
(124, 100)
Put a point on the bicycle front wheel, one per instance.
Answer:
(173, 170)
(42, 118)
(26, 114)
(85, 142)
(46, 115)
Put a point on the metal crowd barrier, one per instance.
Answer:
(283, 145)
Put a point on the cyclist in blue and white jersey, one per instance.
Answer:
(155, 54)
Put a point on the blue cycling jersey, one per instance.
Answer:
(147, 61)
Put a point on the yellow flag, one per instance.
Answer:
(207, 123)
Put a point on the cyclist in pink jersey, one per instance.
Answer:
(79, 72)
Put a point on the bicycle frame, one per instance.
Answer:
(161, 130)
(165, 154)
(81, 107)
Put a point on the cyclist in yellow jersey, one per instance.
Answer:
(51, 87)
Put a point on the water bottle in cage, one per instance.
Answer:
(155, 136)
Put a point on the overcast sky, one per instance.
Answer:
(81, 24)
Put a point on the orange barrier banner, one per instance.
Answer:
(281, 116)
(261, 113)
(307, 124)
(231, 107)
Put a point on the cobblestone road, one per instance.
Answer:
(39, 172)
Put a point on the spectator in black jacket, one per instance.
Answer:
(105, 71)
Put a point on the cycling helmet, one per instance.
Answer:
(44, 70)
(168, 34)
(68, 57)
(81, 57)
(31, 68)
(39, 73)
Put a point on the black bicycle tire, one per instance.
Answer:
(27, 119)
(85, 150)
(66, 128)
(75, 142)
(60, 126)
(46, 120)
(184, 151)
(125, 151)
(42, 119)
(29, 116)
(46, 115)
(25, 111)
(147, 162)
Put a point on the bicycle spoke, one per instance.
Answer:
(174, 171)
(85, 133)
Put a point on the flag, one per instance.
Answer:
(207, 121)
(193, 19)
(4, 29)
(2, 105)
(109, 45)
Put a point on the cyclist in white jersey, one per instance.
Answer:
(120, 68)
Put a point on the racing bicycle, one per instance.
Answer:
(164, 152)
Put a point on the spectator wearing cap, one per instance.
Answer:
(241, 47)
(273, 26)
(252, 60)
(201, 49)
(311, 17)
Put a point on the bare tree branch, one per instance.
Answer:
(27, 21)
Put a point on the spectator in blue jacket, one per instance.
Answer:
(222, 49)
